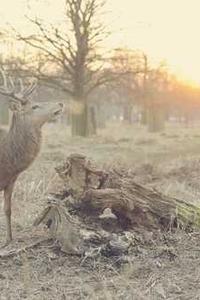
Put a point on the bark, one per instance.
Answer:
(144, 116)
(94, 190)
(92, 121)
(83, 119)
(93, 199)
(90, 191)
(101, 117)
(155, 119)
(127, 113)
(79, 124)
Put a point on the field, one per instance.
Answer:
(168, 268)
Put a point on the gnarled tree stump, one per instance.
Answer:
(94, 199)
(94, 190)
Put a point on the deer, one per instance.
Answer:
(21, 144)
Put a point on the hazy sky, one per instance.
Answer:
(166, 29)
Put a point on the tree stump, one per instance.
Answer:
(89, 192)
(94, 190)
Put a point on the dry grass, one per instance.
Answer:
(169, 162)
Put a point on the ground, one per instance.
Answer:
(167, 268)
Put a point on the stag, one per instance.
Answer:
(21, 144)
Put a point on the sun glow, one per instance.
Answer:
(165, 29)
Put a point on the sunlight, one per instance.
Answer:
(165, 29)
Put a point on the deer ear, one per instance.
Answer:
(15, 106)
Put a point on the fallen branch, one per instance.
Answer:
(6, 253)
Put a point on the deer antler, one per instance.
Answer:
(9, 88)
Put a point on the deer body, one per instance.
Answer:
(20, 146)
(18, 150)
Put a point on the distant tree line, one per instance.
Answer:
(69, 61)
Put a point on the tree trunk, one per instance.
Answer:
(79, 118)
(92, 122)
(79, 124)
(155, 119)
(127, 113)
(101, 117)
(144, 116)
(83, 119)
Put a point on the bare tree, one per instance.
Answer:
(70, 57)
(130, 85)
(143, 85)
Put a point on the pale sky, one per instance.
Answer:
(165, 29)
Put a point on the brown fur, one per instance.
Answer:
(20, 146)
(18, 149)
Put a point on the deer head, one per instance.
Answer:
(29, 112)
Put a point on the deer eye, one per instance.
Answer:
(35, 106)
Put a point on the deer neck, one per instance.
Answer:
(23, 142)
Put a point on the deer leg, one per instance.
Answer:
(7, 210)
